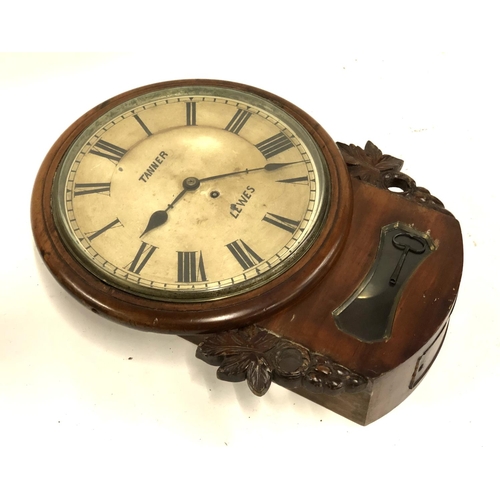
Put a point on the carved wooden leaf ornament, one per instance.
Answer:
(259, 375)
(234, 368)
(384, 171)
(370, 157)
(241, 357)
(260, 357)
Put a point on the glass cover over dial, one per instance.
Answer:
(191, 193)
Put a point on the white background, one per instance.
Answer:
(78, 419)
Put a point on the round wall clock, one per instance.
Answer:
(225, 214)
(189, 205)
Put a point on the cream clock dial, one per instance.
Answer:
(191, 193)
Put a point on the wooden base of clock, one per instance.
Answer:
(361, 341)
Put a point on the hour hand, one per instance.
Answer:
(156, 220)
(161, 216)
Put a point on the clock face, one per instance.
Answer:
(191, 193)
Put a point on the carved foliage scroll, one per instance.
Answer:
(384, 171)
(261, 357)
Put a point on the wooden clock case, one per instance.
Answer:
(288, 330)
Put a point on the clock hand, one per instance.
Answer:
(192, 183)
(220, 176)
(156, 220)
(269, 167)
(276, 166)
(161, 216)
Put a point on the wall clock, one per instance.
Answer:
(225, 214)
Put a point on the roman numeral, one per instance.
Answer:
(92, 188)
(289, 225)
(274, 145)
(108, 150)
(238, 121)
(95, 234)
(141, 258)
(190, 268)
(190, 113)
(296, 180)
(245, 256)
(143, 125)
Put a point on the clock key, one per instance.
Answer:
(407, 243)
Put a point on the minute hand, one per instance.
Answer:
(269, 167)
